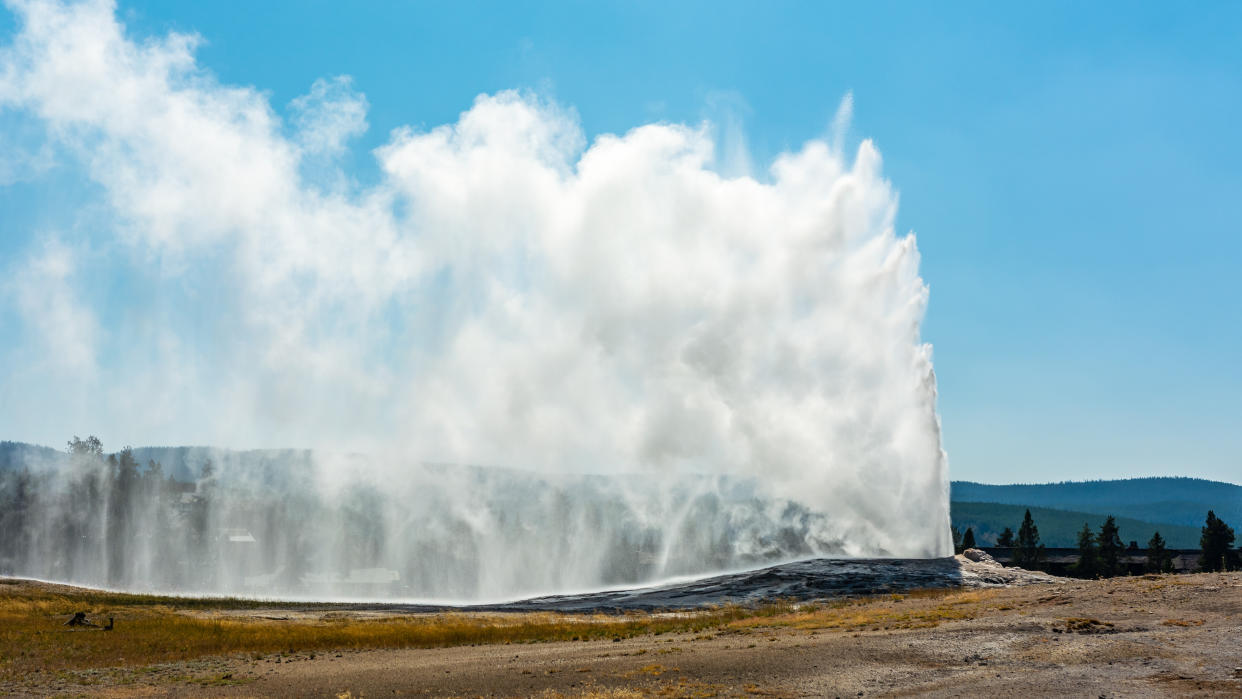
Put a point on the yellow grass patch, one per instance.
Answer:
(152, 630)
(1084, 624)
(923, 609)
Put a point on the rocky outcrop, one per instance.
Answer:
(978, 569)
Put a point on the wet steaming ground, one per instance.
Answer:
(821, 578)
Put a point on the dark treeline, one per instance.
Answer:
(110, 520)
(289, 522)
(1103, 554)
(1167, 500)
(93, 518)
(100, 519)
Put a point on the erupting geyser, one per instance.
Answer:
(662, 370)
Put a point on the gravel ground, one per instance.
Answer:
(1141, 636)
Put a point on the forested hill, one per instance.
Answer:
(186, 463)
(1183, 501)
(18, 454)
(181, 463)
(1059, 528)
(1179, 501)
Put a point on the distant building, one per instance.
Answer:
(237, 536)
(239, 553)
(1059, 561)
(359, 582)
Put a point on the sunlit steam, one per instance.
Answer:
(525, 362)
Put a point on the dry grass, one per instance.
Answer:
(917, 610)
(1182, 622)
(153, 630)
(681, 688)
(1085, 625)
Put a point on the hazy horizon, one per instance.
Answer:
(1084, 479)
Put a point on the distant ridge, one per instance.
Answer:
(1180, 501)
(1120, 489)
(182, 463)
(1059, 528)
(14, 454)
(1174, 505)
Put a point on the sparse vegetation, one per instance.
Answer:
(1059, 528)
(876, 614)
(1085, 625)
(1110, 548)
(1216, 542)
(1103, 555)
(1088, 564)
(1158, 622)
(152, 629)
(1182, 622)
(968, 539)
(1028, 552)
(1158, 558)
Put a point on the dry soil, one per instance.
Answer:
(1136, 636)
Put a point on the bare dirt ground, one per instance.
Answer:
(1138, 636)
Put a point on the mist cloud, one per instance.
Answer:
(506, 294)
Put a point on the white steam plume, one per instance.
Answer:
(506, 294)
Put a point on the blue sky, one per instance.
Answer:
(1071, 172)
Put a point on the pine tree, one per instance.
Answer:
(127, 476)
(1005, 539)
(1088, 565)
(968, 539)
(1216, 541)
(957, 539)
(1158, 559)
(90, 446)
(1110, 548)
(153, 477)
(120, 532)
(1028, 551)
